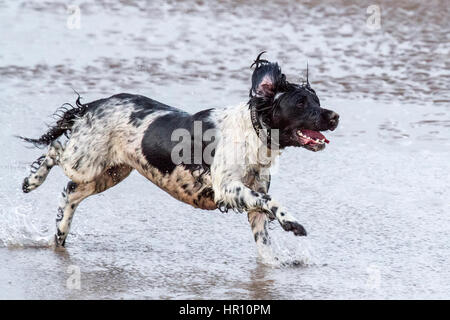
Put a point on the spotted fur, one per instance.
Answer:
(109, 138)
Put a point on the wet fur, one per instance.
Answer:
(109, 138)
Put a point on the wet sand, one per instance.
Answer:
(375, 202)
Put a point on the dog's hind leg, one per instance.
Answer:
(74, 193)
(41, 167)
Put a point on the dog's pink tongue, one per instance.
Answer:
(314, 134)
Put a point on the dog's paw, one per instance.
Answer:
(59, 242)
(26, 186)
(295, 227)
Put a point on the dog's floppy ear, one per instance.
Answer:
(266, 78)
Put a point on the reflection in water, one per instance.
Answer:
(260, 285)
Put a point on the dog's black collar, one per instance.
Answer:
(262, 130)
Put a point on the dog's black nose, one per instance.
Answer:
(333, 120)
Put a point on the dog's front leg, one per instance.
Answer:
(237, 196)
(258, 221)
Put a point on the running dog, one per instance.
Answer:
(213, 159)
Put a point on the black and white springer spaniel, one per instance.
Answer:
(213, 159)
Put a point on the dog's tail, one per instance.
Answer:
(66, 116)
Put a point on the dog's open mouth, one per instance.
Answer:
(311, 140)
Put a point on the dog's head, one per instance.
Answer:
(293, 109)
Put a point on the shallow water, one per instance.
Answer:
(375, 202)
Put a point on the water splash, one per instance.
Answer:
(286, 250)
(19, 228)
